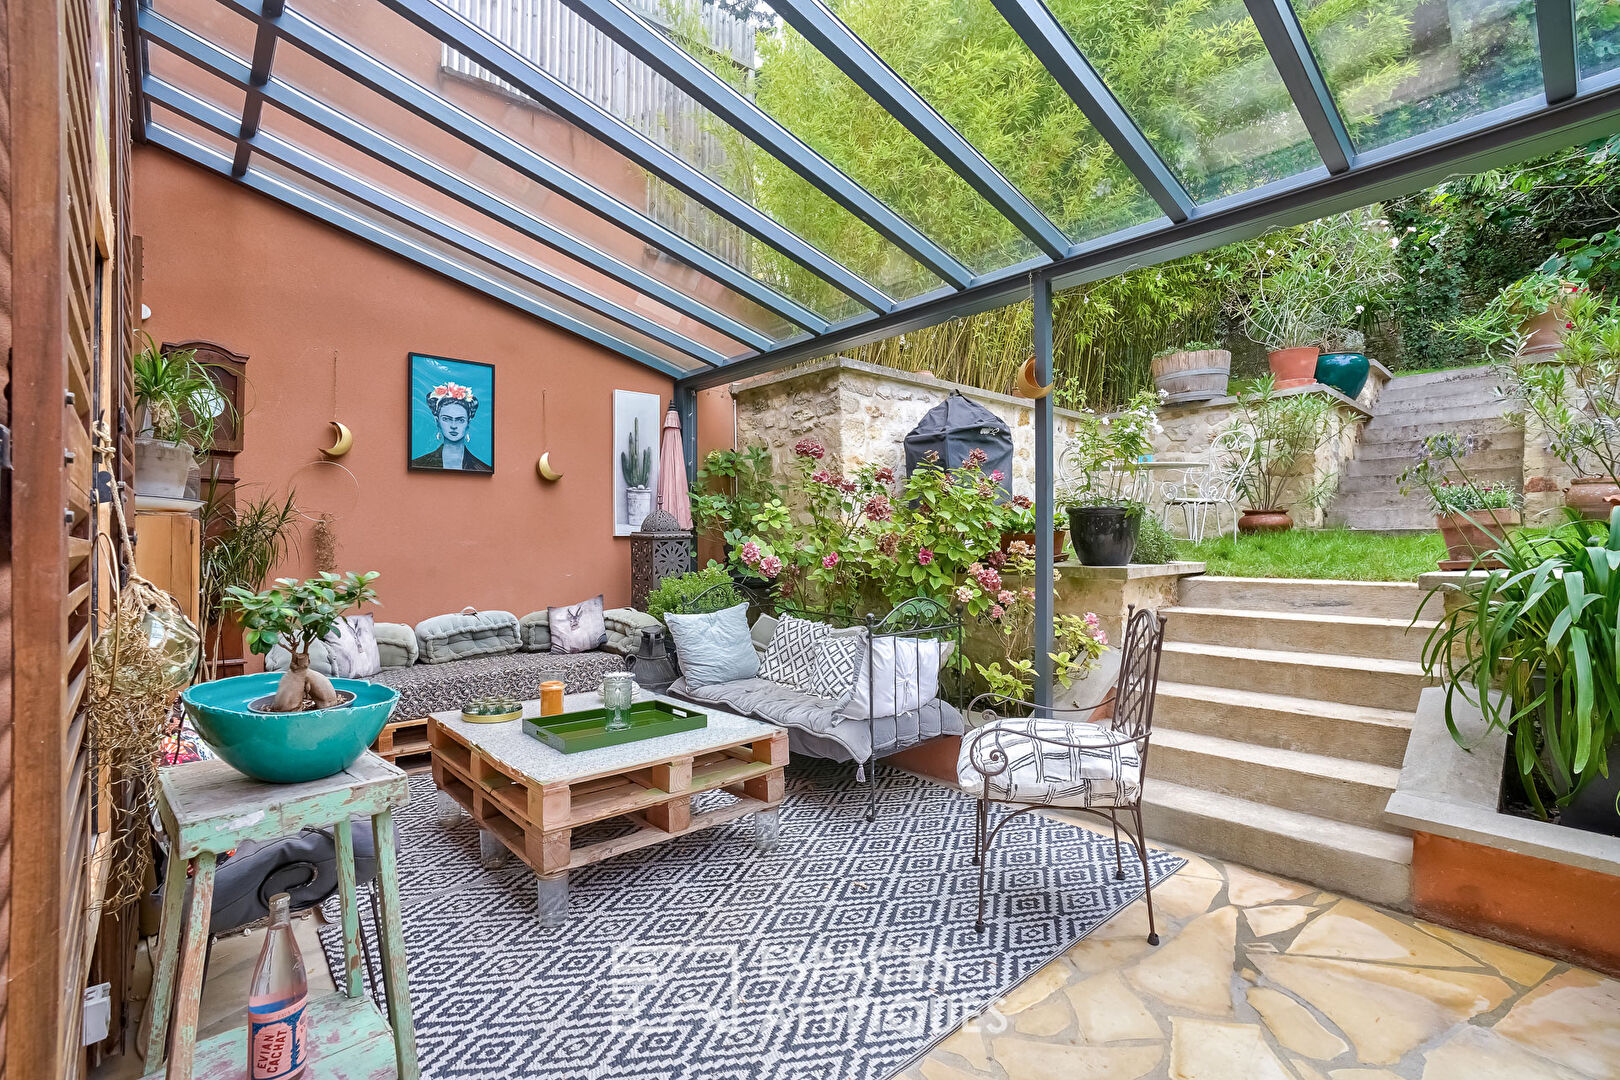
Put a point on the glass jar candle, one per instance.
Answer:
(618, 691)
(551, 697)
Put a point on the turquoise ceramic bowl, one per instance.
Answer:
(286, 748)
(1346, 372)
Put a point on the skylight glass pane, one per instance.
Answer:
(1597, 34)
(184, 126)
(559, 42)
(969, 64)
(542, 131)
(179, 72)
(808, 95)
(1198, 81)
(1399, 68)
(284, 135)
(212, 20)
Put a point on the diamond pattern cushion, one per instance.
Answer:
(1088, 773)
(837, 662)
(790, 658)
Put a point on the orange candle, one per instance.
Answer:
(551, 697)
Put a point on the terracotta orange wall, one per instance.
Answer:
(716, 430)
(1546, 907)
(224, 264)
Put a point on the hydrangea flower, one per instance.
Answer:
(997, 611)
(1023, 502)
(809, 448)
(963, 594)
(770, 566)
(884, 475)
(1005, 597)
(878, 508)
(830, 560)
(997, 477)
(975, 458)
(749, 553)
(997, 559)
(821, 476)
(924, 557)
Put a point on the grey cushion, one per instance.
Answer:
(429, 688)
(624, 627)
(396, 644)
(463, 636)
(714, 647)
(349, 651)
(763, 630)
(790, 659)
(534, 631)
(577, 628)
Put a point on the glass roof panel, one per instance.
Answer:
(1597, 35)
(476, 224)
(976, 72)
(808, 95)
(537, 129)
(1198, 81)
(184, 126)
(1404, 67)
(630, 91)
(179, 72)
(212, 20)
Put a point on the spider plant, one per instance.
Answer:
(1544, 630)
(176, 397)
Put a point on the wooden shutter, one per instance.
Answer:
(68, 323)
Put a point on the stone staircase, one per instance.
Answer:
(1283, 713)
(1413, 406)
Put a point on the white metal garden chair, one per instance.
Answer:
(1204, 490)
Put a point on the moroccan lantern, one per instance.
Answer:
(659, 549)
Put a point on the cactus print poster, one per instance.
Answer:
(452, 415)
(637, 420)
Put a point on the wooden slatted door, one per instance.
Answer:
(68, 317)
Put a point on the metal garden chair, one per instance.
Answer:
(1198, 493)
(1055, 758)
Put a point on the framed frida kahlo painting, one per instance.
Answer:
(452, 415)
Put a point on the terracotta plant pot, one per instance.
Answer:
(1058, 536)
(1294, 367)
(1593, 496)
(1470, 535)
(1262, 521)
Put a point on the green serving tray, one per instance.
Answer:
(586, 729)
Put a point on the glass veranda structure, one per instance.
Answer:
(717, 188)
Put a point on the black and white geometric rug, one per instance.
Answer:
(844, 954)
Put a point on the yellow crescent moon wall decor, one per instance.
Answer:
(543, 467)
(1027, 386)
(345, 441)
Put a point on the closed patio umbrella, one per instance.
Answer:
(672, 491)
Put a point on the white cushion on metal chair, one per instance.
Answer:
(1086, 773)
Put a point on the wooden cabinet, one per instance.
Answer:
(168, 549)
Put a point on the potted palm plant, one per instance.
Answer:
(1103, 458)
(1285, 315)
(1473, 518)
(177, 407)
(1533, 645)
(296, 725)
(1287, 430)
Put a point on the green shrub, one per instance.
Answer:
(678, 593)
(1155, 543)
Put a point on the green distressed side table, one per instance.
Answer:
(208, 809)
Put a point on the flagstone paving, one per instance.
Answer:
(1257, 978)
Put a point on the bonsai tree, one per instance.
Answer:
(1286, 428)
(298, 614)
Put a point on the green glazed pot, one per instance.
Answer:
(1346, 372)
(287, 748)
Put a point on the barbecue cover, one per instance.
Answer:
(954, 429)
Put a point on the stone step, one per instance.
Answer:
(1352, 484)
(1378, 517)
(1353, 792)
(1375, 599)
(1415, 431)
(1498, 459)
(1352, 680)
(1506, 440)
(1435, 414)
(1377, 736)
(1346, 635)
(1476, 373)
(1402, 392)
(1350, 859)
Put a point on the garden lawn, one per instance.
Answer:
(1321, 553)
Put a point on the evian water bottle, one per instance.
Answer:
(276, 1000)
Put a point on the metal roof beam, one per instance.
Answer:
(647, 43)
(159, 135)
(461, 124)
(323, 118)
(496, 56)
(1285, 40)
(828, 35)
(1052, 45)
(1491, 140)
(217, 120)
(1555, 36)
(264, 57)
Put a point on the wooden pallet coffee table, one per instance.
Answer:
(528, 798)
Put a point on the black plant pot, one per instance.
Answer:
(1594, 809)
(1103, 535)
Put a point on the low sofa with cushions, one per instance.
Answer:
(446, 661)
(848, 728)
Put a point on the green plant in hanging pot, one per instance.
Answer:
(177, 410)
(1286, 431)
(297, 725)
(1535, 646)
(1103, 460)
